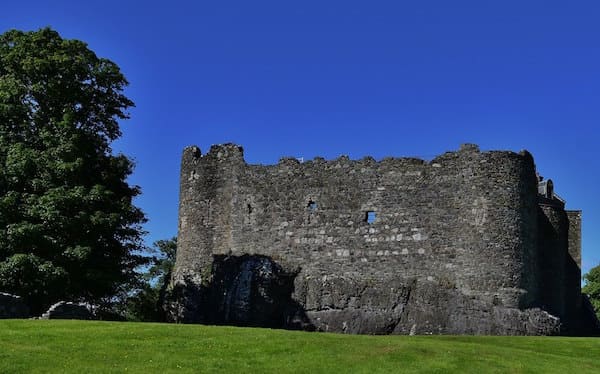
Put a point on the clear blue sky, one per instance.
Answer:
(381, 78)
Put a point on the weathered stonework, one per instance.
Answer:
(463, 244)
(68, 310)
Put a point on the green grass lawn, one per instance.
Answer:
(84, 347)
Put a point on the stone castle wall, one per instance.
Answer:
(396, 246)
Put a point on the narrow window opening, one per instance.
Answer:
(370, 217)
(249, 209)
(312, 206)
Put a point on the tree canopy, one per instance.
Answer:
(68, 225)
(145, 303)
(592, 288)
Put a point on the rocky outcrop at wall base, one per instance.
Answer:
(254, 290)
(68, 310)
(249, 290)
(12, 306)
(413, 307)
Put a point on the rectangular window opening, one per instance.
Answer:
(370, 217)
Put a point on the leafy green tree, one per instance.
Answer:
(163, 262)
(145, 304)
(68, 226)
(592, 288)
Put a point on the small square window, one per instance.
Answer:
(370, 217)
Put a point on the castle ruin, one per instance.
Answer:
(468, 243)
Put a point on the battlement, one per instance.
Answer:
(235, 152)
(467, 221)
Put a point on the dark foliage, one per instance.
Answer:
(68, 226)
(145, 304)
(592, 288)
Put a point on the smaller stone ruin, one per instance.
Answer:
(68, 310)
(12, 306)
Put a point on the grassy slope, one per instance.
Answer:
(78, 346)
